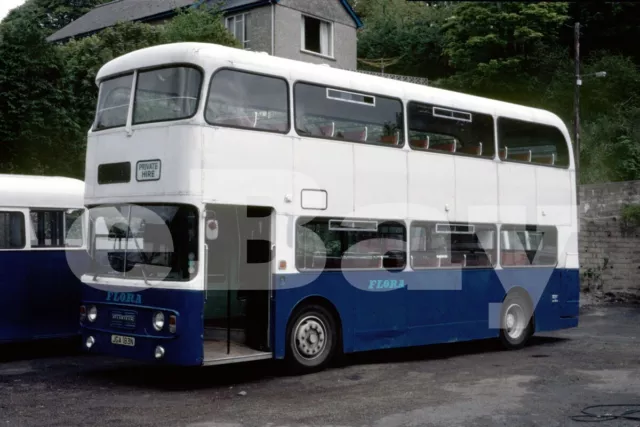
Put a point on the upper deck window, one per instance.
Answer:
(437, 128)
(532, 142)
(246, 100)
(113, 102)
(166, 94)
(343, 114)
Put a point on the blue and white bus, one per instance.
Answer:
(42, 255)
(248, 207)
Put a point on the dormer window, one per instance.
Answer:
(317, 36)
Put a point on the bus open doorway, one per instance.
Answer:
(238, 290)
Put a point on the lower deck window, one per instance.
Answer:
(335, 244)
(527, 245)
(56, 228)
(12, 233)
(439, 245)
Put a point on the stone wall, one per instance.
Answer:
(609, 251)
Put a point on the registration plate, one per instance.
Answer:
(120, 340)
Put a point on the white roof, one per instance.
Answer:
(20, 191)
(212, 56)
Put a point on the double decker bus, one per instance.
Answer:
(42, 255)
(248, 207)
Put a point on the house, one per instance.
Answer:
(318, 31)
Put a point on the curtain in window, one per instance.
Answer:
(325, 35)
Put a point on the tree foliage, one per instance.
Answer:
(523, 52)
(48, 92)
(30, 96)
(52, 15)
(409, 32)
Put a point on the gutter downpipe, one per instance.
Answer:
(273, 27)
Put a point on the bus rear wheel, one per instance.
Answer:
(312, 339)
(516, 322)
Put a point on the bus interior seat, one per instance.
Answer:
(328, 129)
(514, 258)
(390, 139)
(241, 121)
(276, 126)
(356, 135)
(420, 143)
(450, 147)
(523, 157)
(361, 261)
(478, 260)
(422, 259)
(503, 153)
(394, 259)
(472, 149)
(549, 159)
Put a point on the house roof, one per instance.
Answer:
(108, 14)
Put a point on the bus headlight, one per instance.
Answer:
(83, 313)
(92, 314)
(158, 321)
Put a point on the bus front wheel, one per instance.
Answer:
(517, 321)
(312, 339)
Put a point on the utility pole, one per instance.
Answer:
(576, 108)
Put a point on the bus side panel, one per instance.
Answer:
(559, 305)
(40, 293)
(14, 302)
(55, 291)
(549, 293)
(570, 303)
(450, 305)
(184, 348)
(437, 306)
(291, 289)
(369, 303)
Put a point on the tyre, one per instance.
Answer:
(312, 339)
(516, 321)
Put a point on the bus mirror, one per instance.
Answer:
(212, 229)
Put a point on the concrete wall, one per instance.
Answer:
(609, 252)
(259, 29)
(288, 32)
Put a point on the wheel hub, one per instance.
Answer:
(515, 321)
(310, 337)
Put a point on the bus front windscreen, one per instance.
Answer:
(149, 242)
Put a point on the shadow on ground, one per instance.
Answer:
(30, 350)
(184, 379)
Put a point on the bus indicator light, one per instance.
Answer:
(172, 324)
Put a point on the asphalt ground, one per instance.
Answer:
(463, 384)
